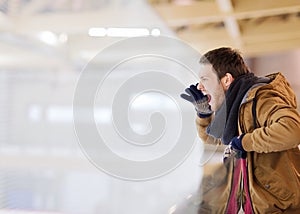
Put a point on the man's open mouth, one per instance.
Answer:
(209, 97)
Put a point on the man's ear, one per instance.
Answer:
(227, 80)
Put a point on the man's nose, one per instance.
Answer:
(200, 87)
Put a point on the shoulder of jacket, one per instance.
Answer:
(278, 85)
(268, 82)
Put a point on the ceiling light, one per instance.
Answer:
(97, 32)
(48, 37)
(121, 32)
(155, 32)
(127, 32)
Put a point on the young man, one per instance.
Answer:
(257, 118)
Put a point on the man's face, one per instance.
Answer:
(211, 86)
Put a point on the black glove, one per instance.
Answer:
(199, 100)
(236, 144)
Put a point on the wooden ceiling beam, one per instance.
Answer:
(198, 12)
(230, 22)
(266, 31)
(209, 11)
(259, 5)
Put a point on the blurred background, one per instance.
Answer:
(45, 44)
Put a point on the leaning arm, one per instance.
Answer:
(201, 124)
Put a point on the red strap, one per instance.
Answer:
(247, 205)
(233, 200)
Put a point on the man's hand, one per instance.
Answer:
(199, 100)
(236, 144)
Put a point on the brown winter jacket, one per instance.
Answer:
(273, 154)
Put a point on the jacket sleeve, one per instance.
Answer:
(279, 126)
(202, 124)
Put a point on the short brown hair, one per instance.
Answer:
(225, 60)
